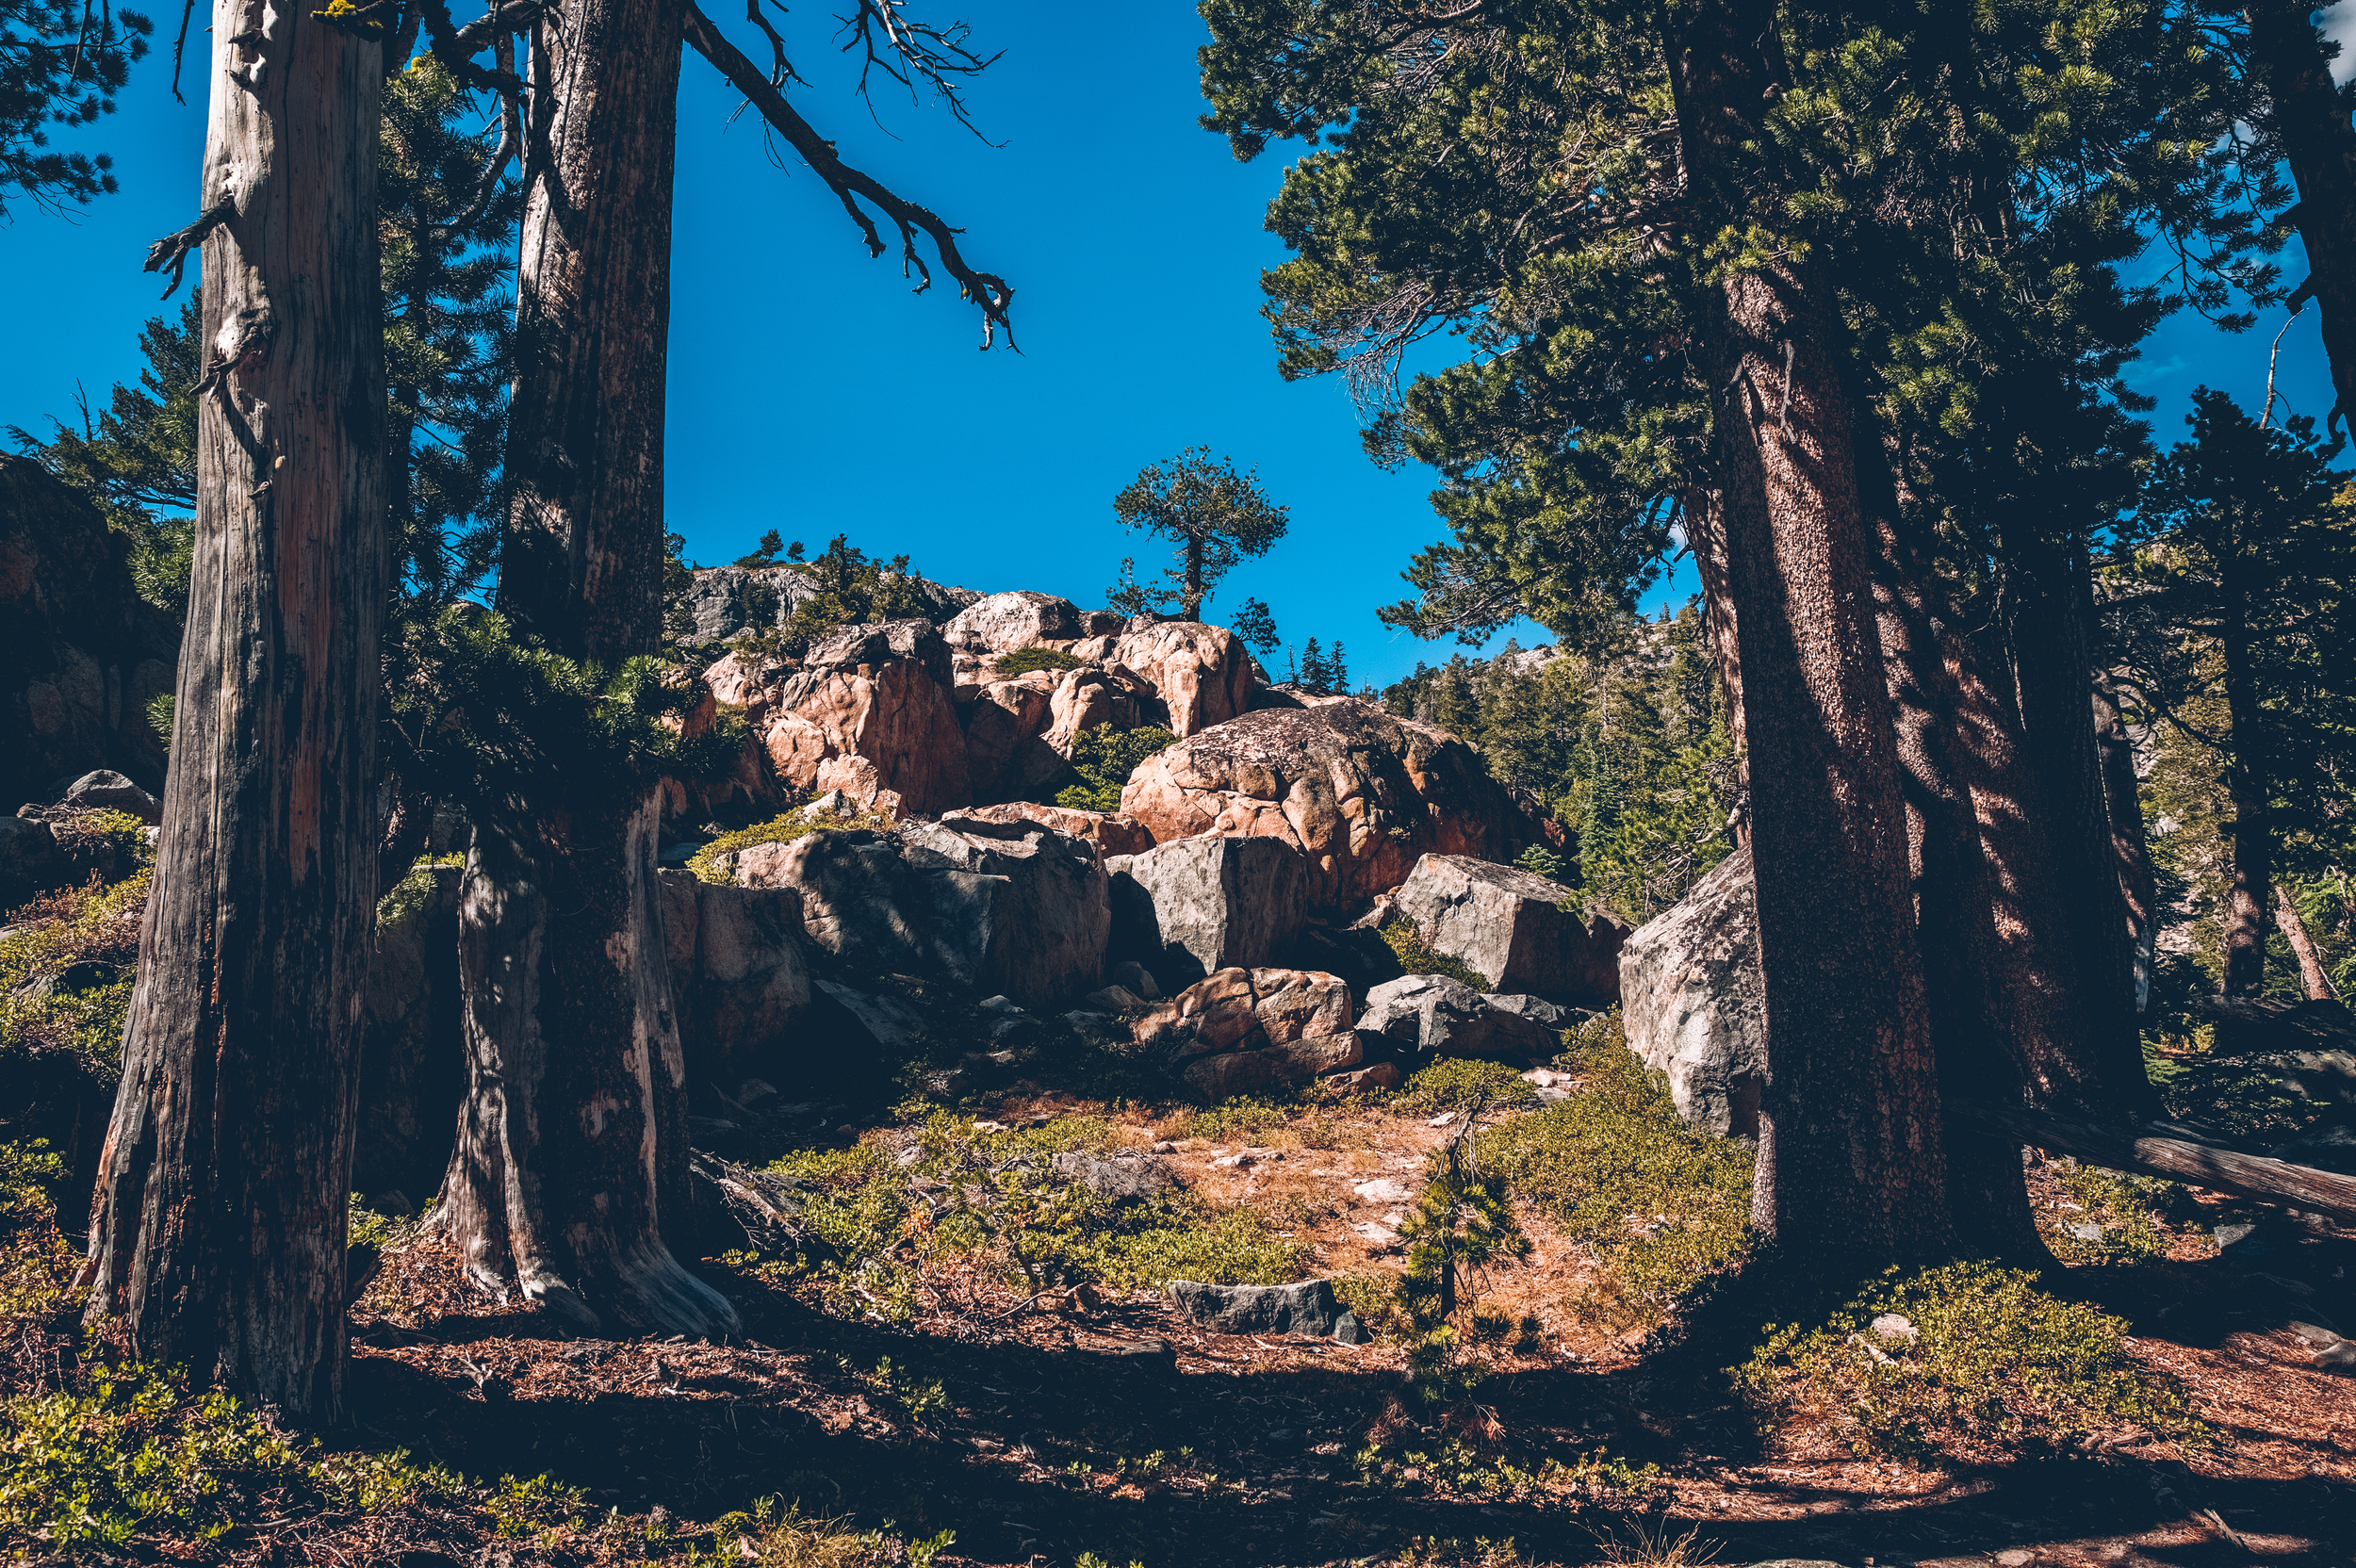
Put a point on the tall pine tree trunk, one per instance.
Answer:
(2249, 784)
(1706, 536)
(1851, 1156)
(218, 1227)
(570, 1175)
(2309, 121)
(2131, 848)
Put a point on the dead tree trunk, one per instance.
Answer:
(570, 1170)
(2294, 929)
(217, 1229)
(1850, 1157)
(2310, 123)
(2249, 781)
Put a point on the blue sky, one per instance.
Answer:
(810, 393)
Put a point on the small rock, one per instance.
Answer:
(1348, 1330)
(2315, 1333)
(1120, 1177)
(1366, 1080)
(107, 790)
(1004, 1006)
(1383, 1190)
(2084, 1231)
(2228, 1234)
(1380, 1237)
(1891, 1325)
(1236, 1162)
(1133, 976)
(989, 1126)
(2017, 1557)
(1306, 1308)
(2340, 1358)
(1115, 999)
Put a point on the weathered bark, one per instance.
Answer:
(2171, 1158)
(1706, 535)
(2310, 122)
(1851, 1158)
(571, 1157)
(2131, 848)
(2294, 929)
(217, 1229)
(2053, 664)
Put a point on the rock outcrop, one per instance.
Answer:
(869, 714)
(1430, 1014)
(1513, 928)
(1110, 833)
(738, 977)
(1000, 622)
(1012, 908)
(1692, 1004)
(1307, 1308)
(1244, 1029)
(1188, 909)
(1361, 792)
(81, 654)
(1202, 674)
(726, 600)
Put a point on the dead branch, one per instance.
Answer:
(985, 289)
(172, 250)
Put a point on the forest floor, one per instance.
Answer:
(1041, 1428)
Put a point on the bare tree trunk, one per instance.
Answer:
(2131, 848)
(1705, 534)
(2249, 782)
(2053, 664)
(2294, 929)
(1851, 1161)
(2311, 121)
(570, 1170)
(217, 1229)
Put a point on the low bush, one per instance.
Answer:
(707, 863)
(1105, 758)
(67, 968)
(2105, 1217)
(775, 1533)
(1024, 660)
(954, 1200)
(1661, 1203)
(1407, 944)
(1242, 1119)
(1971, 1362)
(1458, 1082)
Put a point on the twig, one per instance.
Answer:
(173, 249)
(2274, 357)
(985, 289)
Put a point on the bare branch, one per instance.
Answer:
(511, 146)
(985, 290)
(913, 51)
(172, 250)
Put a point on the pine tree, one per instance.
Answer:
(1213, 515)
(60, 65)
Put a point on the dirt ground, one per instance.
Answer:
(1079, 1424)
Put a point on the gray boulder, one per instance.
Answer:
(1010, 907)
(1125, 1176)
(1190, 908)
(1539, 1010)
(1000, 622)
(738, 975)
(1430, 1014)
(1519, 931)
(889, 1021)
(1693, 1002)
(30, 861)
(1307, 1308)
(1243, 1030)
(103, 790)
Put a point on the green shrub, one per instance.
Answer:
(1407, 945)
(1035, 656)
(1232, 1248)
(2126, 1214)
(1661, 1203)
(777, 1534)
(1985, 1364)
(79, 1009)
(1456, 1082)
(1105, 758)
(162, 711)
(1541, 862)
(798, 823)
(141, 1455)
(1242, 1119)
(37, 1267)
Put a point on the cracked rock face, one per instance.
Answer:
(869, 714)
(1362, 793)
(1244, 1029)
(1691, 1001)
(1188, 909)
(1430, 1014)
(1000, 622)
(1511, 926)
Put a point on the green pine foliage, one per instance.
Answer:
(1210, 515)
(853, 589)
(1462, 1223)
(59, 65)
(1035, 656)
(1105, 758)
(1967, 1362)
(1256, 626)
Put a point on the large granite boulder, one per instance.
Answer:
(1515, 928)
(1000, 622)
(1011, 909)
(1201, 675)
(1241, 1030)
(1430, 1014)
(738, 975)
(870, 714)
(81, 654)
(1187, 909)
(1361, 792)
(1007, 754)
(105, 790)
(1692, 1004)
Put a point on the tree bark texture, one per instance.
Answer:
(1851, 1156)
(1706, 535)
(2311, 972)
(217, 1229)
(2311, 121)
(2052, 665)
(569, 1177)
(2131, 848)
(2248, 782)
